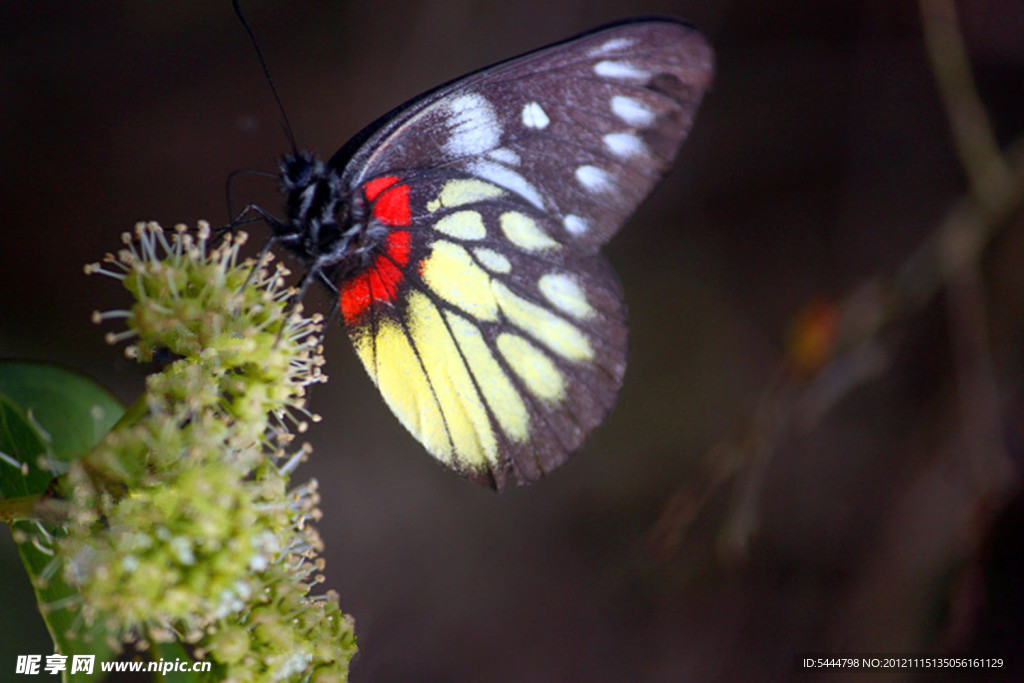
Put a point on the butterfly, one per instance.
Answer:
(461, 234)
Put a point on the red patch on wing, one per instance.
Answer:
(392, 206)
(378, 185)
(380, 281)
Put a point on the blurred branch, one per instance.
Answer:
(987, 172)
(853, 349)
(996, 192)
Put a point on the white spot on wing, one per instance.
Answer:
(624, 145)
(613, 45)
(473, 126)
(623, 70)
(505, 156)
(575, 224)
(534, 116)
(507, 178)
(593, 178)
(632, 111)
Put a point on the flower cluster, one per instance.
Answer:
(183, 527)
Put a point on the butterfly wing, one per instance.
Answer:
(582, 129)
(493, 328)
(501, 347)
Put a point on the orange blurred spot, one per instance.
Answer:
(812, 337)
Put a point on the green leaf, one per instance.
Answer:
(49, 416)
(70, 407)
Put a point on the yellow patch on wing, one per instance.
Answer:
(494, 261)
(505, 402)
(564, 293)
(453, 276)
(524, 232)
(395, 369)
(539, 373)
(556, 333)
(465, 414)
(464, 191)
(464, 225)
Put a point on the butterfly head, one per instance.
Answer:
(321, 219)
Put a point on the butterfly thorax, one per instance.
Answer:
(324, 228)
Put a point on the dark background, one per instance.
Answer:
(820, 160)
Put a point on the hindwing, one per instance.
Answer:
(501, 346)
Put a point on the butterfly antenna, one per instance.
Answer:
(266, 72)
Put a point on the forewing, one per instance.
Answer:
(581, 130)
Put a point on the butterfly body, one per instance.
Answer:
(461, 232)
